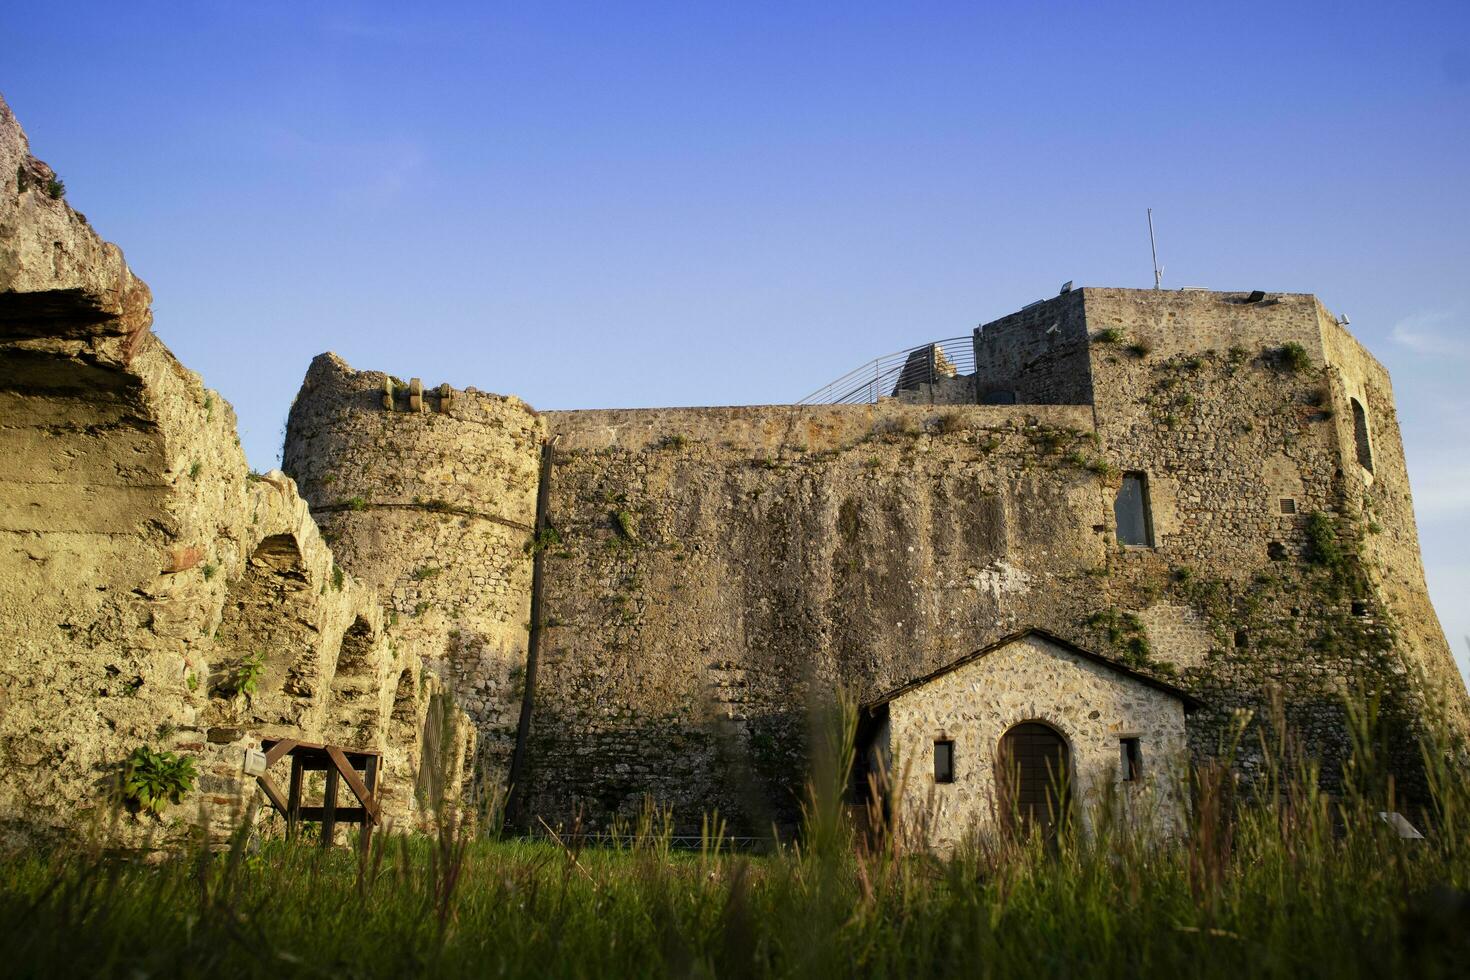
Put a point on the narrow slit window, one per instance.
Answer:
(1130, 759)
(944, 760)
(1360, 435)
(1288, 505)
(1131, 508)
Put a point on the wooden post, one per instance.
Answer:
(370, 777)
(293, 800)
(329, 807)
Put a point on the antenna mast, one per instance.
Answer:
(1158, 273)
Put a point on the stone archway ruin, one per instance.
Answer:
(355, 715)
(268, 645)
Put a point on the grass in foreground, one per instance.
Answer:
(1290, 883)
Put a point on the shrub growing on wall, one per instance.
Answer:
(153, 779)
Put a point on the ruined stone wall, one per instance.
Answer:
(1091, 706)
(433, 507)
(141, 564)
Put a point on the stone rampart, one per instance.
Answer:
(719, 568)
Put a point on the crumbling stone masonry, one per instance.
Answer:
(143, 567)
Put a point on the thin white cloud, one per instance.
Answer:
(1433, 333)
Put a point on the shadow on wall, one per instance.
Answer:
(752, 771)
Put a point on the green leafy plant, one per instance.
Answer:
(209, 570)
(1324, 547)
(1091, 464)
(1108, 335)
(622, 522)
(355, 503)
(151, 779)
(338, 577)
(244, 677)
(55, 189)
(195, 469)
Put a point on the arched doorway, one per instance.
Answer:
(1033, 776)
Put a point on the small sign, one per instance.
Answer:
(254, 762)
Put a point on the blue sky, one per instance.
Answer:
(683, 203)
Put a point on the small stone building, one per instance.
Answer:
(1025, 727)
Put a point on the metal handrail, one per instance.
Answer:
(902, 370)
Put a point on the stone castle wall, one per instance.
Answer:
(721, 569)
(715, 568)
(1198, 392)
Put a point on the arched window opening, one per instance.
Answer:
(1360, 435)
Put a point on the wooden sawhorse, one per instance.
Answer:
(341, 766)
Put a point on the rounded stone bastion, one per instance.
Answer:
(429, 496)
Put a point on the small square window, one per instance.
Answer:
(944, 760)
(1288, 505)
(1130, 758)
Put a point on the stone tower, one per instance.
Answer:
(430, 497)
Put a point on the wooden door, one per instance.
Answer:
(1033, 777)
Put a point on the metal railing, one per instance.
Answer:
(885, 376)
